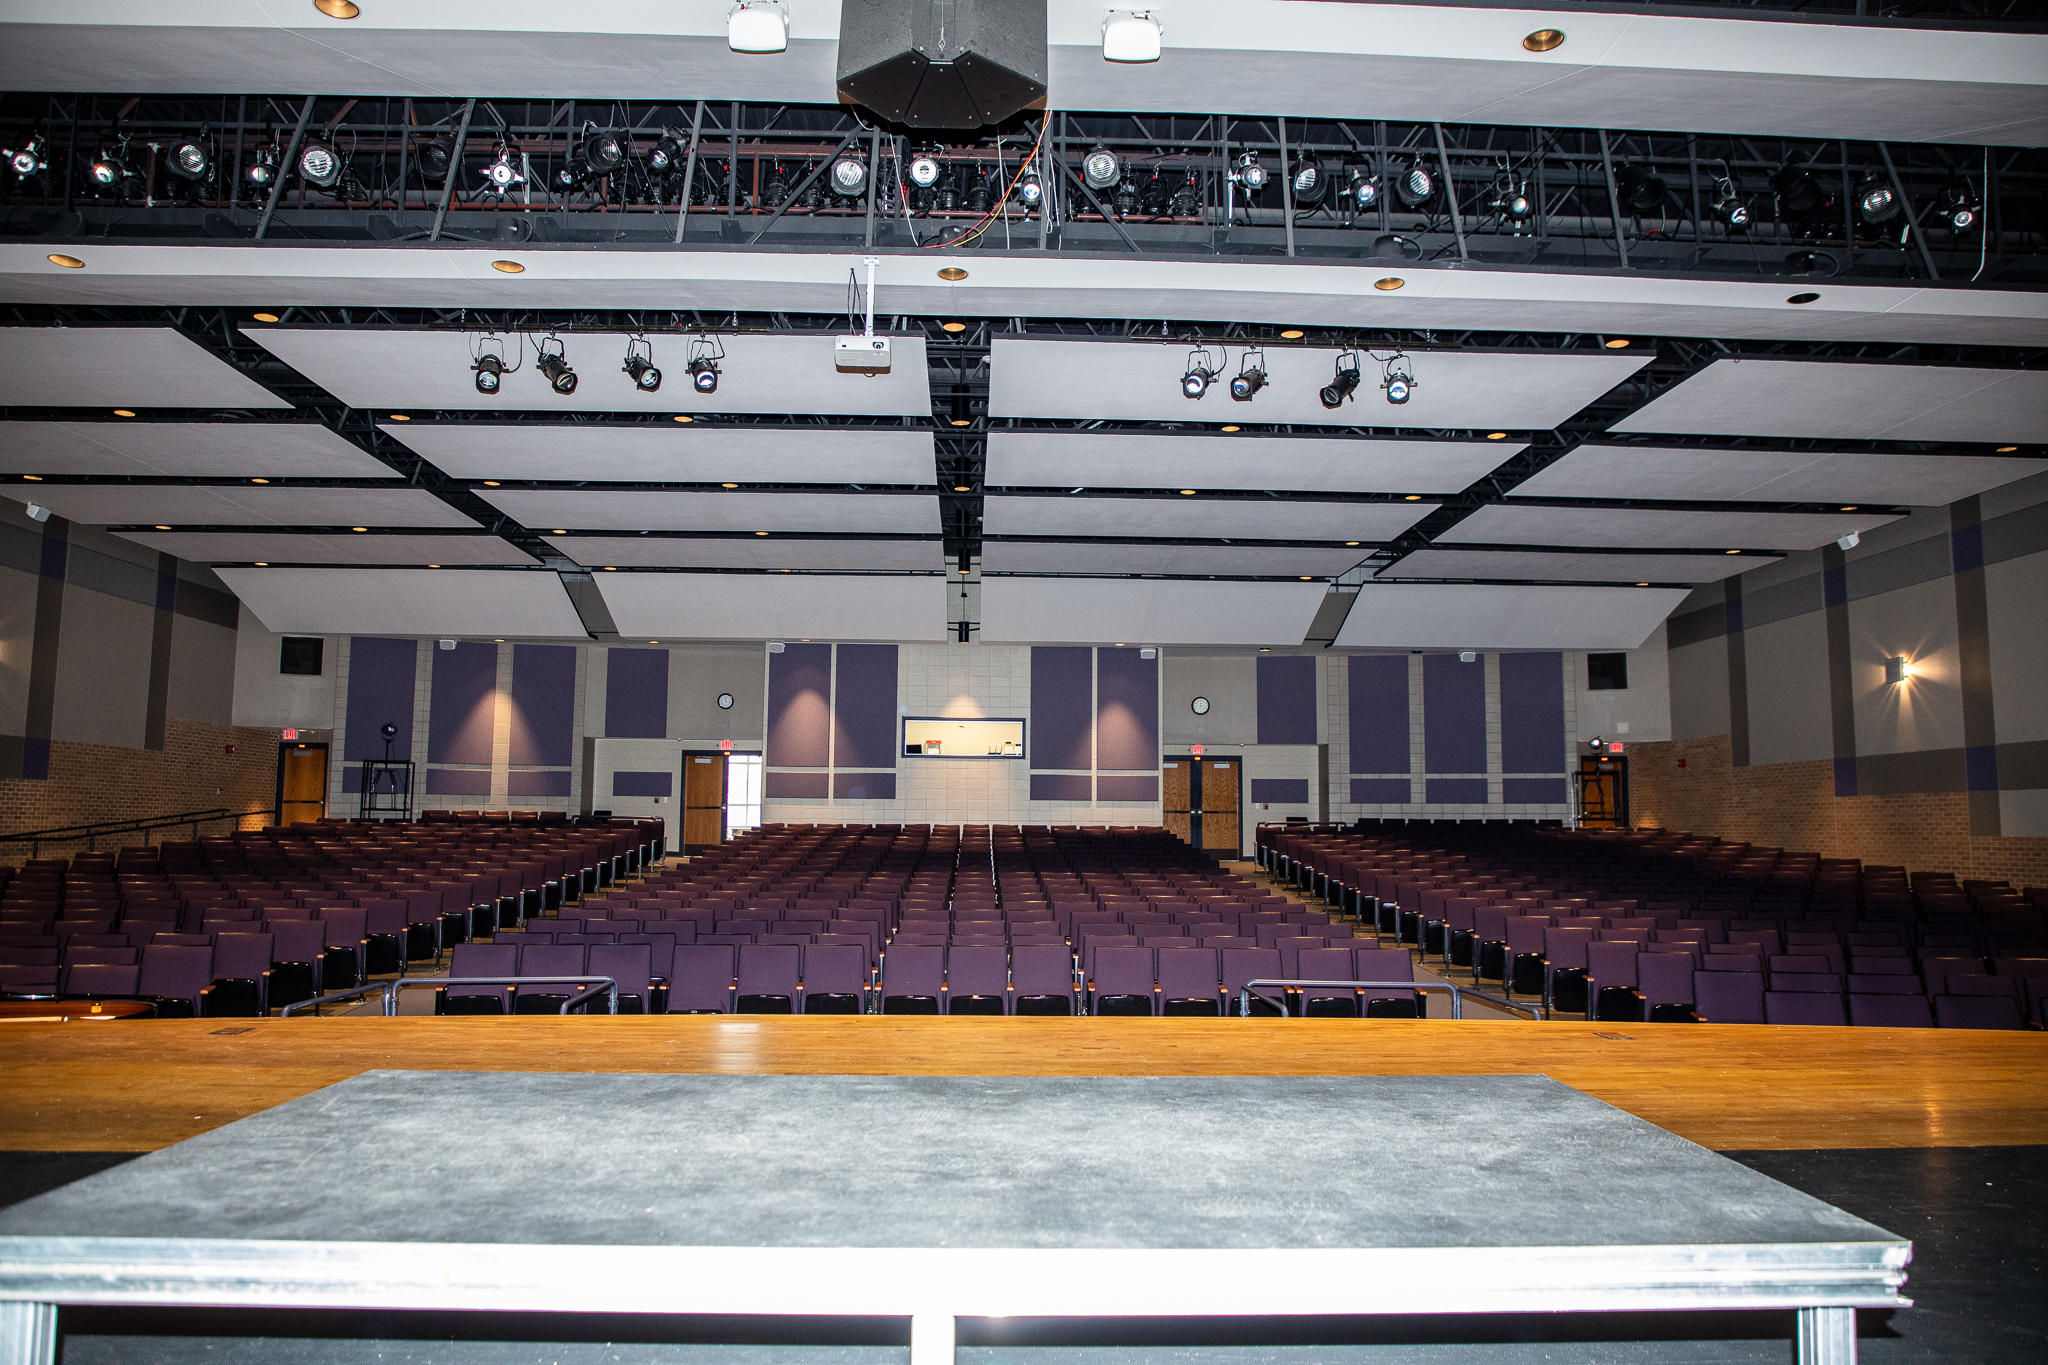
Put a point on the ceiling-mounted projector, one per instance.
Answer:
(943, 63)
(861, 354)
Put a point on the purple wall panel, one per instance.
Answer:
(543, 705)
(1453, 715)
(1533, 791)
(864, 707)
(1287, 699)
(531, 783)
(1284, 791)
(458, 781)
(795, 786)
(380, 688)
(1450, 791)
(1062, 693)
(643, 784)
(862, 786)
(1059, 786)
(461, 707)
(1126, 788)
(1126, 712)
(1378, 684)
(1379, 791)
(799, 707)
(1532, 713)
(636, 694)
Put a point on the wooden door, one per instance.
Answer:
(703, 801)
(1603, 792)
(1175, 787)
(301, 782)
(1220, 831)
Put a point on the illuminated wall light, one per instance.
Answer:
(1898, 668)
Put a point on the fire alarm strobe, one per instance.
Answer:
(861, 354)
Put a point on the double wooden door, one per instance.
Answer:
(1200, 800)
(1603, 792)
(703, 801)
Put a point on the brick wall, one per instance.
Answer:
(97, 782)
(1793, 806)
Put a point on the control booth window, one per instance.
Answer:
(301, 654)
(1607, 672)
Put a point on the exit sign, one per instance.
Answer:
(1616, 746)
(291, 734)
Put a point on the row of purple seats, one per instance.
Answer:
(1206, 981)
(722, 978)
(641, 990)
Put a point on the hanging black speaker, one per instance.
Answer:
(943, 63)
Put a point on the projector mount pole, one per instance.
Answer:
(870, 262)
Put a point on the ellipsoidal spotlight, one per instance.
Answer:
(603, 151)
(32, 159)
(1398, 379)
(108, 169)
(704, 375)
(1960, 207)
(1728, 206)
(319, 164)
(1364, 190)
(503, 171)
(849, 175)
(555, 365)
(437, 154)
(670, 151)
(1101, 168)
(1249, 173)
(489, 367)
(1799, 194)
(1344, 383)
(262, 171)
(1200, 373)
(1309, 183)
(924, 170)
(1030, 193)
(1640, 190)
(1416, 186)
(1875, 202)
(189, 159)
(1511, 200)
(640, 365)
(1250, 377)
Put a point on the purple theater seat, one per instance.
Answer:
(1122, 981)
(978, 978)
(479, 959)
(770, 976)
(1042, 978)
(835, 978)
(1241, 965)
(87, 980)
(1671, 987)
(703, 979)
(1977, 1011)
(241, 975)
(179, 978)
(1386, 964)
(1190, 982)
(913, 977)
(1729, 997)
(1822, 983)
(548, 959)
(630, 965)
(1803, 1007)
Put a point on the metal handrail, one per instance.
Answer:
(68, 834)
(335, 997)
(606, 986)
(1457, 993)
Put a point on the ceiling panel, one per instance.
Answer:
(1140, 381)
(119, 367)
(1845, 400)
(1532, 616)
(1680, 474)
(400, 369)
(1013, 556)
(1150, 611)
(671, 453)
(1572, 566)
(129, 504)
(1052, 459)
(212, 547)
(772, 607)
(505, 602)
(279, 450)
(660, 510)
(1656, 529)
(1200, 518)
(751, 553)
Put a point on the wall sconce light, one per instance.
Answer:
(1898, 668)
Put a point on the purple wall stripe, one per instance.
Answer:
(1060, 786)
(1453, 715)
(530, 783)
(1287, 699)
(1450, 791)
(1533, 791)
(862, 786)
(1126, 711)
(458, 781)
(1532, 713)
(460, 707)
(799, 709)
(643, 784)
(380, 688)
(1061, 697)
(795, 786)
(636, 694)
(1284, 791)
(1379, 791)
(543, 705)
(864, 707)
(1378, 684)
(1126, 787)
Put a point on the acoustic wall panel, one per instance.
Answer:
(799, 707)
(1532, 712)
(1453, 714)
(1126, 712)
(461, 705)
(1377, 688)
(864, 707)
(1287, 699)
(1062, 709)
(635, 694)
(1521, 616)
(381, 676)
(543, 705)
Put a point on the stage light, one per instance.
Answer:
(1364, 190)
(262, 172)
(1198, 376)
(32, 159)
(640, 365)
(555, 365)
(603, 151)
(1961, 207)
(669, 152)
(503, 172)
(1249, 173)
(849, 175)
(1398, 379)
(189, 159)
(1309, 182)
(757, 26)
(1728, 206)
(320, 165)
(1344, 383)
(1641, 191)
(1875, 202)
(1101, 168)
(1029, 191)
(108, 169)
(1250, 377)
(1130, 36)
(1799, 194)
(924, 170)
(436, 155)
(704, 375)
(1416, 186)
(489, 368)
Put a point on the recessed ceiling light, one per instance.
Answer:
(1233, 427)
(259, 481)
(684, 417)
(611, 568)
(262, 563)
(1390, 282)
(963, 421)
(509, 267)
(1617, 343)
(1803, 298)
(1642, 585)
(1496, 435)
(954, 326)
(1351, 543)
(760, 533)
(1734, 552)
(265, 317)
(1265, 651)
(1544, 40)
(491, 483)
(163, 528)
(124, 412)
(1414, 497)
(68, 262)
(337, 9)
(358, 528)
(433, 566)
(1187, 492)
(1850, 508)
(1306, 579)
(37, 478)
(499, 640)
(952, 272)
(654, 642)
(728, 485)
(963, 488)
(558, 531)
(400, 417)
(2007, 450)
(1291, 334)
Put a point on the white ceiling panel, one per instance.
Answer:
(774, 607)
(1680, 474)
(119, 367)
(212, 547)
(671, 453)
(282, 450)
(1656, 529)
(408, 601)
(1304, 464)
(1152, 611)
(662, 510)
(131, 504)
(1200, 518)
(1845, 400)
(1100, 557)
(400, 369)
(1570, 566)
(751, 553)
(1140, 381)
(1530, 616)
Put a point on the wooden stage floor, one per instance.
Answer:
(140, 1085)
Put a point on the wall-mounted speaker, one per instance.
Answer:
(943, 63)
